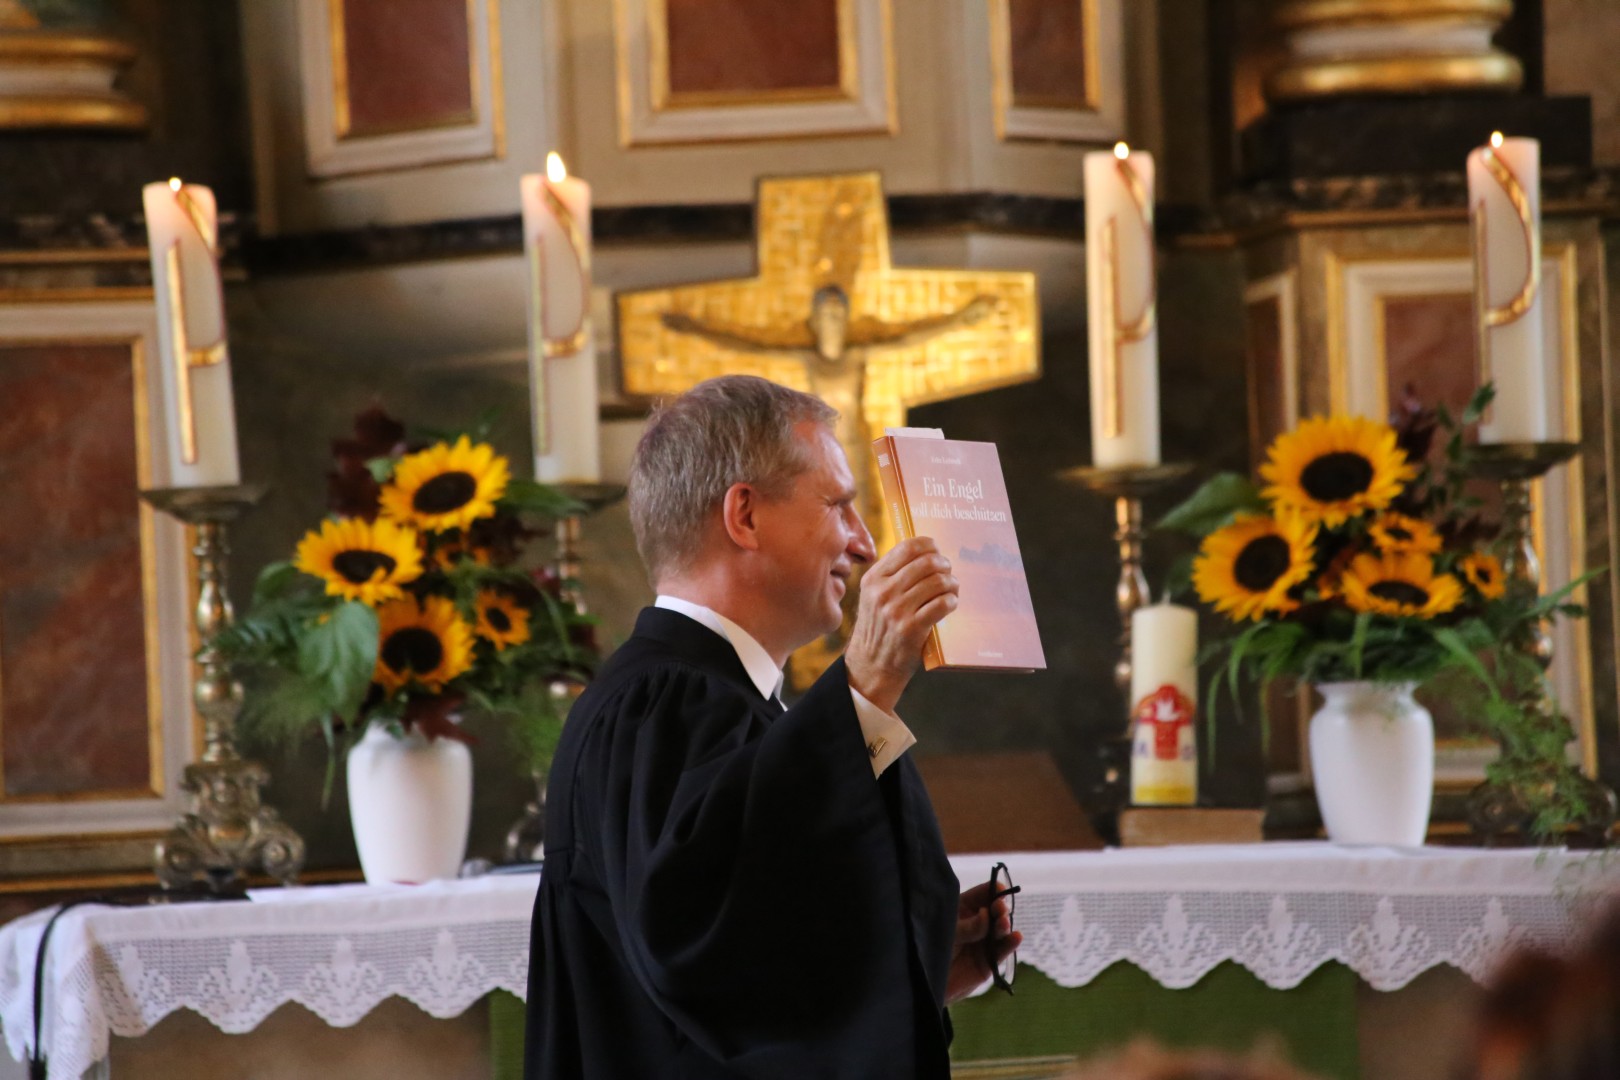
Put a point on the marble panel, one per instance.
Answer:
(1429, 349)
(1047, 53)
(738, 48)
(73, 671)
(1429, 358)
(407, 63)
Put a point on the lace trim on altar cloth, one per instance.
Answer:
(1279, 910)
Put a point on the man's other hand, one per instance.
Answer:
(903, 595)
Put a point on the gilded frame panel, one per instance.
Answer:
(331, 147)
(1357, 288)
(652, 113)
(1101, 117)
(95, 831)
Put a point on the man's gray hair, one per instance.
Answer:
(735, 429)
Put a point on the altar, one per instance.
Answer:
(1342, 956)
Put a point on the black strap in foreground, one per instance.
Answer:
(38, 1066)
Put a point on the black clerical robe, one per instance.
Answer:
(728, 892)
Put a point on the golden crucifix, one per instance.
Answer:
(827, 313)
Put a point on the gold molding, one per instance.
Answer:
(1295, 14)
(73, 256)
(1001, 83)
(1338, 347)
(662, 96)
(66, 51)
(1395, 75)
(62, 48)
(497, 72)
(141, 409)
(89, 294)
(67, 111)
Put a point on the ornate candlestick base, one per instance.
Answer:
(595, 497)
(1496, 809)
(1128, 486)
(526, 839)
(228, 830)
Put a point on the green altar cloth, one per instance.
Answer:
(1314, 1023)
(1041, 1029)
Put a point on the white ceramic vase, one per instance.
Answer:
(410, 799)
(1372, 757)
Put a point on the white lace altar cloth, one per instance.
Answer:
(338, 950)
(1282, 910)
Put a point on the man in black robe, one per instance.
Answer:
(734, 889)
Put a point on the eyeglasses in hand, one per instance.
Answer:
(1002, 969)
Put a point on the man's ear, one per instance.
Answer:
(737, 515)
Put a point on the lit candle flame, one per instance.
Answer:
(1121, 151)
(556, 172)
(1496, 139)
(174, 183)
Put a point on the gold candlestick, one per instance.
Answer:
(1128, 486)
(525, 840)
(1495, 809)
(228, 829)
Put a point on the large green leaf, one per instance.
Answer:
(274, 581)
(527, 496)
(1220, 498)
(339, 654)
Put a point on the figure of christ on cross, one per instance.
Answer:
(835, 359)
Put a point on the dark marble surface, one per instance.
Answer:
(1432, 133)
(1591, 190)
(189, 76)
(1256, 205)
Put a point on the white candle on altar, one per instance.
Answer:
(1121, 299)
(1504, 204)
(1164, 700)
(562, 352)
(182, 230)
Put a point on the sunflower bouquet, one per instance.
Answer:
(1358, 558)
(409, 604)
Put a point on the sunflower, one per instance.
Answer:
(502, 621)
(1330, 469)
(1484, 573)
(1398, 532)
(1332, 575)
(446, 487)
(1401, 583)
(360, 559)
(1247, 568)
(448, 551)
(427, 642)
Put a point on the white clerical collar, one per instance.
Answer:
(762, 670)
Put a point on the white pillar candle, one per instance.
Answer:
(1164, 705)
(1504, 201)
(182, 232)
(562, 351)
(1121, 293)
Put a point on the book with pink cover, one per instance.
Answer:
(953, 492)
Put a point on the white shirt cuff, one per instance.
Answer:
(885, 735)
